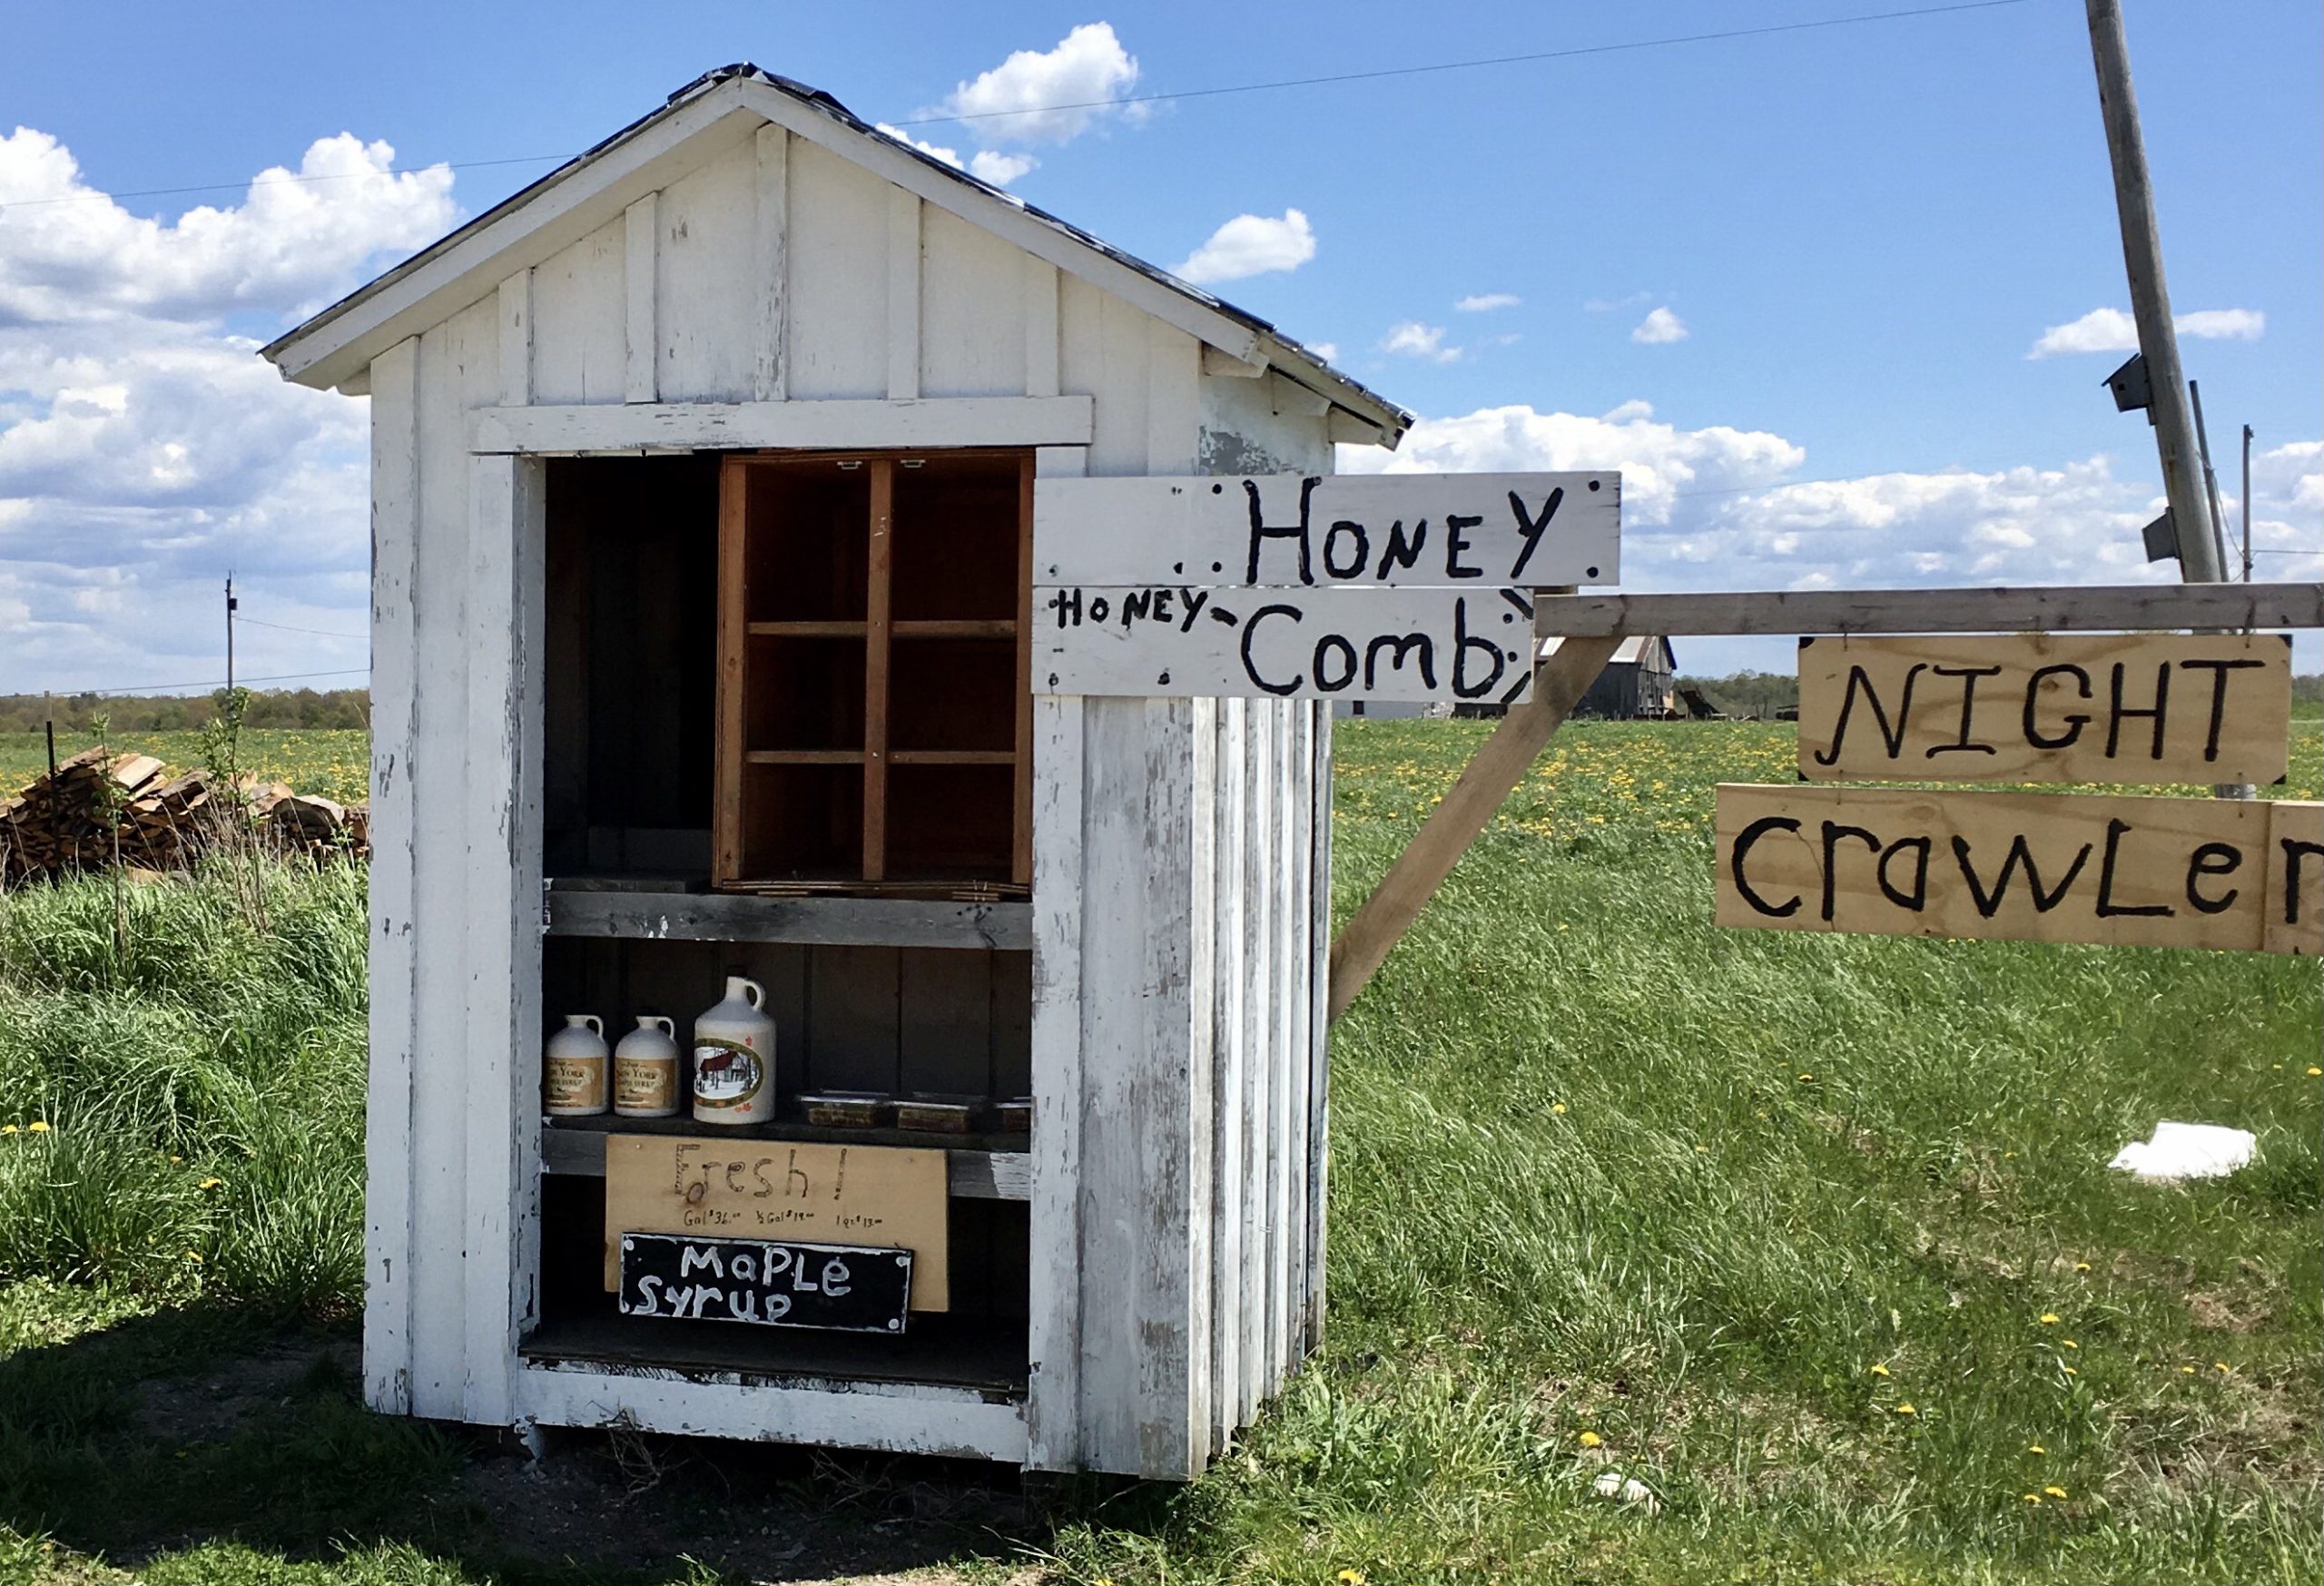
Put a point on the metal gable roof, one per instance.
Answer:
(319, 351)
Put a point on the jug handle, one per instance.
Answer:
(595, 1023)
(755, 991)
(668, 1028)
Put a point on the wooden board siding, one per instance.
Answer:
(1175, 1175)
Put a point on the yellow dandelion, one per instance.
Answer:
(2082, 1266)
(8, 1128)
(2223, 1366)
(1804, 1078)
(2069, 1371)
(1590, 1440)
(1907, 1410)
(2186, 1371)
(2034, 1497)
(195, 1257)
(2049, 1318)
(2314, 1072)
(2035, 1448)
(2068, 1344)
(211, 1183)
(36, 1126)
(2054, 1492)
(1351, 1577)
(1878, 1369)
(1557, 1106)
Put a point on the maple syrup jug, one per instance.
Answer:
(733, 1057)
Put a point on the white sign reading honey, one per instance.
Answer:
(887, 1196)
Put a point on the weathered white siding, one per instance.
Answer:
(1176, 968)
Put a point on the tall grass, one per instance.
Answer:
(180, 1104)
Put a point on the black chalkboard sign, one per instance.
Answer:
(853, 1288)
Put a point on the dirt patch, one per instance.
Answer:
(208, 1405)
(2228, 1310)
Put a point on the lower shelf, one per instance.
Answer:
(998, 1167)
(940, 1351)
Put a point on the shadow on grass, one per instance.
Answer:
(170, 1430)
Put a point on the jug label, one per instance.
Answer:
(575, 1082)
(646, 1083)
(726, 1074)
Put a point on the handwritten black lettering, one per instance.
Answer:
(1532, 529)
(1195, 599)
(2295, 852)
(1399, 648)
(1456, 542)
(2213, 859)
(1989, 903)
(2073, 723)
(2218, 671)
(1891, 736)
(1464, 641)
(1355, 531)
(2107, 907)
(1745, 841)
(1833, 833)
(1968, 676)
(2121, 713)
(1401, 552)
(1251, 633)
(1261, 531)
(1326, 648)
(1917, 899)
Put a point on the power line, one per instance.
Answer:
(1574, 53)
(287, 628)
(1564, 55)
(209, 683)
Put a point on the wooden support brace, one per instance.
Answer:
(1497, 767)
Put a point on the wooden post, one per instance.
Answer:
(1559, 684)
(2198, 561)
(2246, 503)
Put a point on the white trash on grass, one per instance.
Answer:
(2186, 1151)
(1612, 1485)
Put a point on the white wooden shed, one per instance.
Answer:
(617, 757)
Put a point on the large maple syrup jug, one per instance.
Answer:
(733, 1057)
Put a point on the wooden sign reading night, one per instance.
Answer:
(2119, 870)
(2046, 707)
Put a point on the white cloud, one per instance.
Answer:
(1050, 96)
(1487, 301)
(1250, 245)
(2114, 331)
(1608, 305)
(1709, 507)
(1660, 328)
(70, 252)
(144, 449)
(1414, 339)
(985, 164)
(1327, 350)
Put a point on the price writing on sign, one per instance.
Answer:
(1416, 645)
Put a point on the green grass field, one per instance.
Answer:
(1813, 1236)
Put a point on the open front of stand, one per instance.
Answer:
(798, 679)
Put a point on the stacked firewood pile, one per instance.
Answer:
(99, 808)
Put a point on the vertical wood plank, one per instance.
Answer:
(772, 262)
(903, 294)
(638, 384)
(525, 835)
(1258, 1046)
(387, 1122)
(853, 995)
(1298, 1070)
(1020, 852)
(1173, 400)
(517, 340)
(1053, 1398)
(1201, 982)
(944, 1013)
(489, 1174)
(875, 671)
(1319, 1024)
(734, 667)
(1041, 328)
(1283, 958)
(1228, 1111)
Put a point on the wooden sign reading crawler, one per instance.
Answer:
(1307, 530)
(2121, 871)
(2139, 708)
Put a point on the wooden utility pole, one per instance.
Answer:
(2174, 437)
(229, 633)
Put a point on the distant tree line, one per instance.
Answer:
(172, 712)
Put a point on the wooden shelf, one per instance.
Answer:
(806, 630)
(945, 1353)
(996, 1168)
(803, 758)
(826, 922)
(997, 627)
(952, 757)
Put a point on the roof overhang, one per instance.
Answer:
(336, 347)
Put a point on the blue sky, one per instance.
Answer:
(1862, 232)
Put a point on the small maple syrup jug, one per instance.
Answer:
(645, 1070)
(733, 1057)
(573, 1068)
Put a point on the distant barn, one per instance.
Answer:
(1641, 680)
